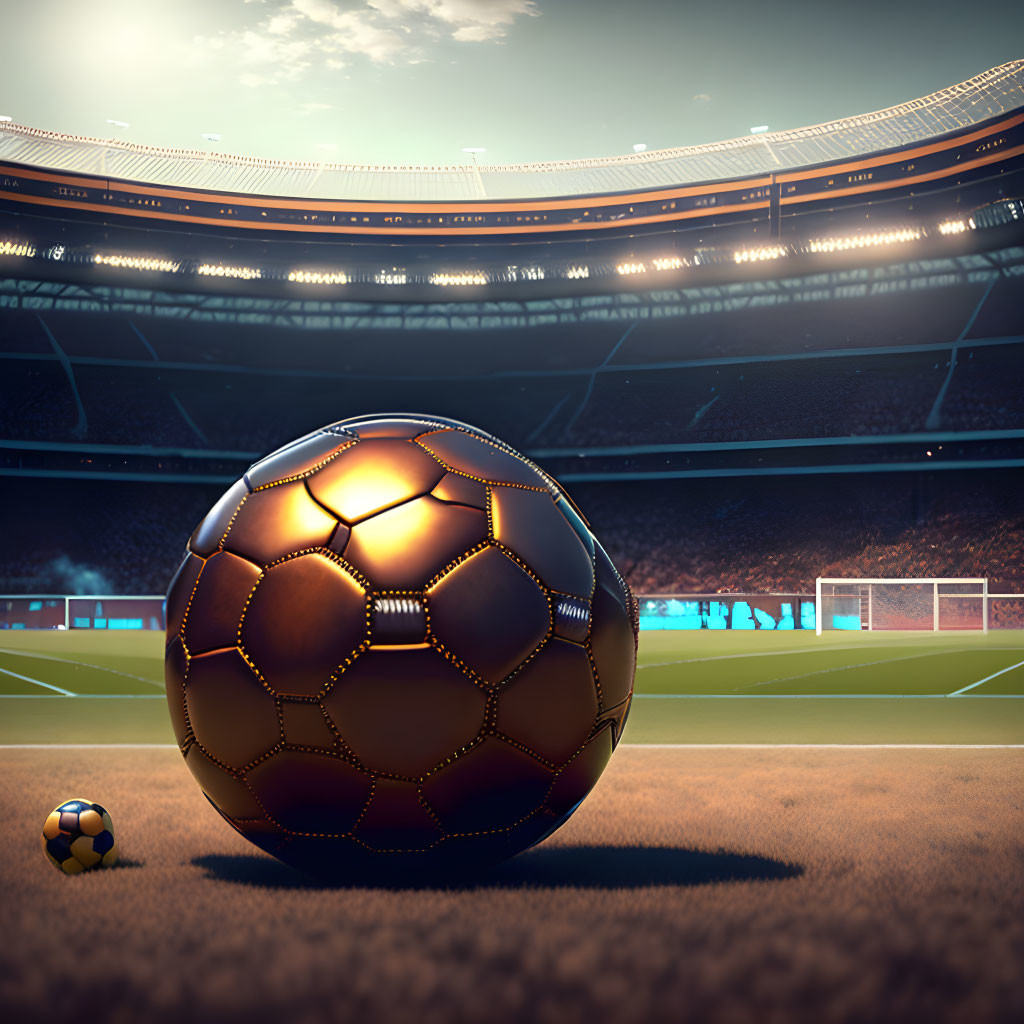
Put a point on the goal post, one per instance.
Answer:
(927, 603)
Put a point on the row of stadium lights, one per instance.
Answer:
(575, 272)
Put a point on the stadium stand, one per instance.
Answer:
(980, 98)
(740, 535)
(847, 407)
(750, 536)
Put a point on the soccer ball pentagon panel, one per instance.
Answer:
(395, 644)
(79, 836)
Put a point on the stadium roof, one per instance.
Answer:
(985, 96)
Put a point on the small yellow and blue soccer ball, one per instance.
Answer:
(78, 836)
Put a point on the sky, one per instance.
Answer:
(416, 82)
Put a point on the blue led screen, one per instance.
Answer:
(727, 611)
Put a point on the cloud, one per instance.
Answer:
(702, 97)
(286, 38)
(469, 21)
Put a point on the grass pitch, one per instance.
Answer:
(739, 886)
(715, 885)
(691, 687)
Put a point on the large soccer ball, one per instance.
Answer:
(395, 644)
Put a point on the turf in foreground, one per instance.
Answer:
(691, 886)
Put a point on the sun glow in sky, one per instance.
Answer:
(419, 81)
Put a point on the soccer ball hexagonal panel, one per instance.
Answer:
(179, 593)
(531, 525)
(232, 714)
(278, 521)
(397, 819)
(218, 602)
(403, 711)
(613, 639)
(550, 704)
(489, 613)
(404, 547)
(227, 792)
(297, 459)
(491, 787)
(473, 456)
(175, 667)
(372, 476)
(306, 617)
(309, 792)
(208, 534)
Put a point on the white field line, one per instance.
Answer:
(77, 696)
(1009, 668)
(37, 682)
(87, 746)
(84, 664)
(823, 746)
(630, 746)
(824, 696)
(844, 668)
(748, 654)
(809, 650)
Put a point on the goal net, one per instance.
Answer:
(877, 604)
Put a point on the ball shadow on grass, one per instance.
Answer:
(125, 863)
(585, 867)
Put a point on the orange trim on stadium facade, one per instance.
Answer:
(875, 186)
(353, 229)
(362, 206)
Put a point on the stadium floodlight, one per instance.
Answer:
(929, 603)
(219, 270)
(466, 277)
(667, 263)
(395, 275)
(759, 129)
(765, 252)
(11, 248)
(517, 273)
(864, 241)
(210, 136)
(118, 124)
(631, 268)
(953, 227)
(577, 272)
(318, 277)
(639, 147)
(135, 262)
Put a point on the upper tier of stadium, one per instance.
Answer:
(985, 96)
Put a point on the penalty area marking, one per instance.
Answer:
(82, 664)
(37, 682)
